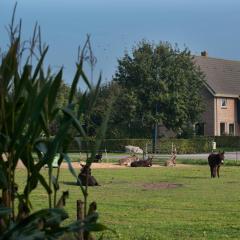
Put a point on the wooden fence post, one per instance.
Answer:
(80, 216)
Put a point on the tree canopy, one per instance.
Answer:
(161, 84)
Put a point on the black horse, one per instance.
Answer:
(98, 157)
(215, 160)
(142, 163)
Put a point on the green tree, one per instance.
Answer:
(62, 95)
(120, 123)
(165, 83)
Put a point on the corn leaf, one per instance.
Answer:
(44, 183)
(76, 122)
(72, 171)
(39, 65)
(54, 90)
(74, 84)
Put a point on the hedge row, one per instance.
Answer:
(228, 142)
(194, 145)
(163, 146)
(112, 145)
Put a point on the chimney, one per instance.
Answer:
(204, 54)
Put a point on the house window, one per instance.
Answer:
(199, 129)
(223, 103)
(222, 129)
(231, 129)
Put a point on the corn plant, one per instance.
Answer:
(27, 109)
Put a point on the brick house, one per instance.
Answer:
(221, 96)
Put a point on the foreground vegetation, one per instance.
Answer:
(33, 125)
(200, 208)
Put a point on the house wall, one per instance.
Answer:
(226, 115)
(213, 115)
(208, 114)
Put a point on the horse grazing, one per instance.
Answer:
(142, 163)
(215, 160)
(85, 176)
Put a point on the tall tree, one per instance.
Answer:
(165, 83)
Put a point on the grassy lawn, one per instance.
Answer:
(201, 208)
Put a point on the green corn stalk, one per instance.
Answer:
(27, 108)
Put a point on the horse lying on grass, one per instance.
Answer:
(215, 160)
(85, 176)
(142, 163)
(128, 160)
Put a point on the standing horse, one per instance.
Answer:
(215, 160)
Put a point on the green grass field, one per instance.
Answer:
(201, 208)
(114, 158)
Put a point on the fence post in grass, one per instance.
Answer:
(80, 216)
(106, 154)
(146, 150)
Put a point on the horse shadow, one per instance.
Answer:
(70, 183)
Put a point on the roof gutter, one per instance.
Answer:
(220, 94)
(227, 95)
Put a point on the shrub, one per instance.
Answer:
(111, 145)
(194, 145)
(232, 142)
(183, 146)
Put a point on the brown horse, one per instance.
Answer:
(128, 160)
(215, 160)
(85, 176)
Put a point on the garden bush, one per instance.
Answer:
(164, 145)
(231, 142)
(183, 146)
(194, 145)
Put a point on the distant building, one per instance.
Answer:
(221, 96)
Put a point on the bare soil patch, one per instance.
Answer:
(103, 165)
(161, 185)
(94, 165)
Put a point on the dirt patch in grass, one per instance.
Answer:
(95, 165)
(116, 165)
(104, 165)
(161, 185)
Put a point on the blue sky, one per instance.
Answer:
(116, 25)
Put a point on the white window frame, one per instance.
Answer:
(233, 129)
(224, 102)
(225, 128)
